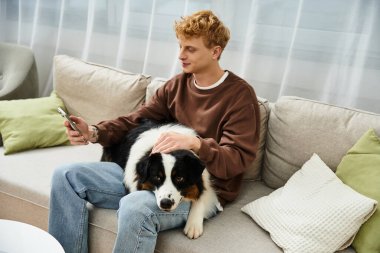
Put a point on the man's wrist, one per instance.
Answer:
(196, 145)
(93, 134)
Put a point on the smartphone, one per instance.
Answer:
(72, 123)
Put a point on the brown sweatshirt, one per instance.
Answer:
(226, 117)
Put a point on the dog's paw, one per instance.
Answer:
(193, 229)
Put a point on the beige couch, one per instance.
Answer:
(292, 130)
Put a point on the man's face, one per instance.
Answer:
(195, 57)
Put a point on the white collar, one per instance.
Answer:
(221, 80)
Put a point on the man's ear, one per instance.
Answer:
(217, 52)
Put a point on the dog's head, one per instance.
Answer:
(172, 177)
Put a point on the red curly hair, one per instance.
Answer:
(203, 24)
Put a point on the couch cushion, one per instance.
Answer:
(298, 127)
(96, 92)
(153, 86)
(229, 231)
(360, 169)
(31, 123)
(27, 175)
(314, 212)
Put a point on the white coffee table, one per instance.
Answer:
(18, 237)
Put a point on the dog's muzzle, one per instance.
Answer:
(166, 204)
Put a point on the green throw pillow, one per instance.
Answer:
(360, 169)
(31, 123)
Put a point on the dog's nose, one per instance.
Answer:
(166, 203)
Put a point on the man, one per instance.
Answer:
(219, 105)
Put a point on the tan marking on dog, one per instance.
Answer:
(145, 186)
(191, 192)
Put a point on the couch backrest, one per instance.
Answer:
(298, 127)
(253, 171)
(97, 92)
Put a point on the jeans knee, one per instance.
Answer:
(62, 170)
(137, 212)
(60, 173)
(66, 175)
(136, 204)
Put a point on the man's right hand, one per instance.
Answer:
(75, 137)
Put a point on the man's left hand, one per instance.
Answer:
(171, 141)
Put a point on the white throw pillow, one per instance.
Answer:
(97, 92)
(156, 83)
(313, 212)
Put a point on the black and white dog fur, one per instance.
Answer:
(173, 177)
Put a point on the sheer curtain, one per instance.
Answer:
(327, 50)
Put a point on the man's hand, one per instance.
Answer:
(171, 141)
(75, 137)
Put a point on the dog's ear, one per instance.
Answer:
(196, 165)
(144, 165)
(142, 169)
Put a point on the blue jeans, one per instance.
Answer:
(101, 183)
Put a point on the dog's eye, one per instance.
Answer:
(157, 179)
(179, 179)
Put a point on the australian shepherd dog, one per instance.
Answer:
(173, 177)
